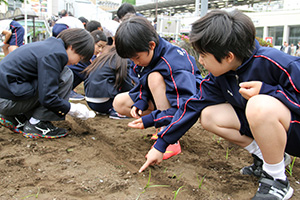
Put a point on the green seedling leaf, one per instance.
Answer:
(176, 192)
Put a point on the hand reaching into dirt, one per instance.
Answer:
(154, 157)
(81, 111)
(138, 123)
(135, 112)
(250, 89)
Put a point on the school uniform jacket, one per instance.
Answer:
(279, 73)
(100, 83)
(35, 69)
(179, 71)
(80, 66)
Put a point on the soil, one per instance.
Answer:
(100, 157)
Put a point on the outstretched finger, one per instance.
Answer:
(145, 165)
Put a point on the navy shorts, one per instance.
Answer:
(17, 36)
(293, 134)
(57, 28)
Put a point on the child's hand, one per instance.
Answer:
(138, 123)
(154, 157)
(135, 112)
(250, 89)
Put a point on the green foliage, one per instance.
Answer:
(290, 167)
(200, 181)
(129, 1)
(263, 42)
(185, 44)
(33, 195)
(5, 2)
(176, 192)
(148, 185)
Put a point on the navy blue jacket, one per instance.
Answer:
(100, 83)
(80, 66)
(179, 71)
(278, 71)
(35, 69)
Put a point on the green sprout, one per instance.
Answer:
(200, 181)
(33, 195)
(290, 167)
(227, 152)
(176, 192)
(149, 186)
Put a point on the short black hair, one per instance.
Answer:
(220, 32)
(133, 36)
(84, 21)
(63, 13)
(81, 41)
(92, 25)
(99, 36)
(124, 9)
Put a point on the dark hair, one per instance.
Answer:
(133, 36)
(63, 13)
(220, 32)
(99, 36)
(124, 9)
(92, 25)
(81, 41)
(118, 64)
(84, 21)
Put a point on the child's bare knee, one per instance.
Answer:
(155, 80)
(259, 108)
(116, 102)
(206, 118)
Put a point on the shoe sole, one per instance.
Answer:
(71, 99)
(8, 124)
(35, 135)
(289, 194)
(113, 117)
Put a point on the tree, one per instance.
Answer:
(126, 1)
(5, 2)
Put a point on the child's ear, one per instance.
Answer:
(230, 57)
(152, 45)
(70, 47)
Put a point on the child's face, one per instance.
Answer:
(210, 63)
(99, 47)
(144, 58)
(73, 58)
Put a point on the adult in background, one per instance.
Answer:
(66, 22)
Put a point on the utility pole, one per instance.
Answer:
(204, 7)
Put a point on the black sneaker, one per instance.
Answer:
(270, 189)
(14, 123)
(114, 115)
(256, 168)
(43, 129)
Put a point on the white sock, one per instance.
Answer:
(253, 148)
(277, 171)
(33, 121)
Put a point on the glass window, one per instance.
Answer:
(277, 33)
(259, 32)
(294, 36)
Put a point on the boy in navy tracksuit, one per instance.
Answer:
(14, 35)
(166, 75)
(251, 97)
(35, 84)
